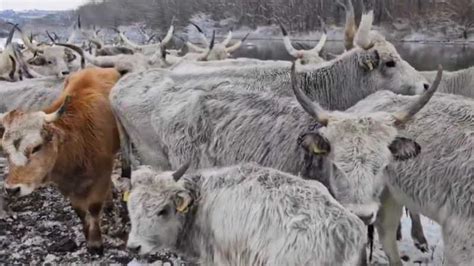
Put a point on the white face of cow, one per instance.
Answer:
(157, 206)
(31, 146)
(54, 61)
(359, 148)
(386, 68)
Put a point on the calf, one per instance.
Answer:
(71, 143)
(242, 215)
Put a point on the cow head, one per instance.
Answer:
(381, 61)
(357, 148)
(157, 206)
(50, 60)
(30, 141)
(305, 57)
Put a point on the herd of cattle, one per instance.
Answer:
(278, 163)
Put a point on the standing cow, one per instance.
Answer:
(71, 144)
(242, 215)
(439, 183)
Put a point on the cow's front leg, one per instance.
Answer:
(388, 219)
(417, 234)
(94, 242)
(82, 213)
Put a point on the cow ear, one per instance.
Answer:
(315, 143)
(404, 149)
(182, 201)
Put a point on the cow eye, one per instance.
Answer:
(50, 62)
(390, 64)
(36, 149)
(163, 212)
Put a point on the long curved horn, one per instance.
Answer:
(322, 41)
(169, 36)
(50, 37)
(26, 41)
(128, 42)
(77, 49)
(405, 115)
(362, 37)
(10, 35)
(21, 62)
(181, 171)
(286, 40)
(227, 40)
(209, 50)
(312, 108)
(236, 45)
(52, 117)
(202, 36)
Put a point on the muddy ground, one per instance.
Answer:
(43, 228)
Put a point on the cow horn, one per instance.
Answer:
(11, 75)
(286, 40)
(10, 35)
(403, 116)
(52, 117)
(227, 40)
(169, 35)
(350, 27)
(50, 37)
(362, 37)
(27, 42)
(312, 108)
(181, 171)
(77, 50)
(197, 27)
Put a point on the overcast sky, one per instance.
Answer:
(40, 4)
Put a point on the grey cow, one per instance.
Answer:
(459, 82)
(337, 84)
(242, 215)
(439, 183)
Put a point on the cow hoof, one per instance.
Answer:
(96, 250)
(423, 247)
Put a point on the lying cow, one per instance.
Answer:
(242, 215)
(71, 143)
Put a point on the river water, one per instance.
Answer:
(421, 56)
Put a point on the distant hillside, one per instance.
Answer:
(34, 19)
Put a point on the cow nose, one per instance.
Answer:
(369, 219)
(65, 73)
(13, 191)
(134, 249)
(426, 86)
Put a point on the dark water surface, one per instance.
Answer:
(420, 55)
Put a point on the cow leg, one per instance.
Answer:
(94, 242)
(76, 206)
(388, 219)
(417, 234)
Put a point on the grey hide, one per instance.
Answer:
(29, 94)
(458, 82)
(242, 215)
(336, 84)
(168, 124)
(439, 183)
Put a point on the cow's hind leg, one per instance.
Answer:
(388, 219)
(417, 234)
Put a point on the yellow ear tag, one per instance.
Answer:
(182, 209)
(317, 150)
(370, 66)
(126, 195)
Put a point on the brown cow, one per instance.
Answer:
(71, 144)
